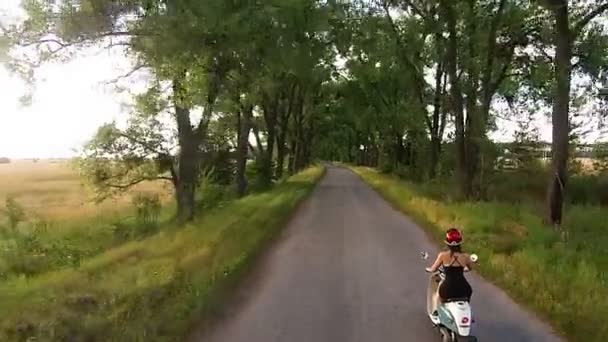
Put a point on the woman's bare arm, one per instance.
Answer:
(437, 263)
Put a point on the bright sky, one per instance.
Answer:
(71, 100)
(67, 108)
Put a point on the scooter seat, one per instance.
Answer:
(462, 299)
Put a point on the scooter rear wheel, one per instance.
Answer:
(446, 336)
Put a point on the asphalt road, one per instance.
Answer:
(348, 268)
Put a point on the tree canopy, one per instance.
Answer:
(411, 86)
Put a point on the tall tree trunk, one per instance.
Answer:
(435, 154)
(244, 121)
(308, 143)
(270, 118)
(399, 150)
(281, 136)
(297, 141)
(457, 101)
(473, 139)
(474, 126)
(282, 127)
(560, 117)
(291, 160)
(436, 123)
(270, 148)
(258, 141)
(300, 153)
(187, 169)
(281, 152)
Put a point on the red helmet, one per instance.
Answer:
(453, 237)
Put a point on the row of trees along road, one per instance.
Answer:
(391, 83)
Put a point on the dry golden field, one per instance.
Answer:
(53, 190)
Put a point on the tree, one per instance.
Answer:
(480, 58)
(567, 30)
(186, 47)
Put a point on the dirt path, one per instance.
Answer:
(348, 268)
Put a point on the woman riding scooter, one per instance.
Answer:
(454, 263)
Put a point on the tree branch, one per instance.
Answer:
(418, 78)
(545, 54)
(80, 40)
(493, 85)
(45, 41)
(203, 124)
(416, 9)
(253, 149)
(491, 53)
(64, 45)
(256, 134)
(128, 74)
(141, 143)
(137, 181)
(580, 25)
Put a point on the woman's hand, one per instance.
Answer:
(466, 269)
(429, 269)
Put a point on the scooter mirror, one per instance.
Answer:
(424, 255)
(474, 257)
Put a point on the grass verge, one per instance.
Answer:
(152, 289)
(567, 283)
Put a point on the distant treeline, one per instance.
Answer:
(543, 149)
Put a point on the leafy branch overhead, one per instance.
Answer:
(401, 84)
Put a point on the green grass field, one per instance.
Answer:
(154, 288)
(565, 282)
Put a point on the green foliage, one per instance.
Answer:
(147, 211)
(203, 57)
(32, 251)
(14, 212)
(588, 190)
(527, 141)
(262, 170)
(155, 288)
(117, 159)
(222, 164)
(40, 246)
(211, 193)
(520, 254)
(207, 60)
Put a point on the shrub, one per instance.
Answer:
(223, 164)
(210, 194)
(14, 212)
(121, 230)
(588, 189)
(147, 211)
(262, 169)
(25, 254)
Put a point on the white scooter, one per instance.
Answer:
(453, 318)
